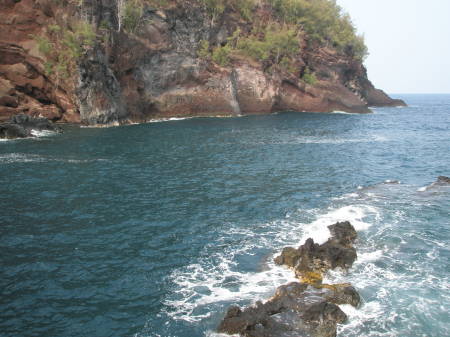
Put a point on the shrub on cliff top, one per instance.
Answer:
(243, 7)
(323, 21)
(214, 7)
(221, 55)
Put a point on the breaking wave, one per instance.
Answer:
(388, 275)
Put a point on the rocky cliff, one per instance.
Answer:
(114, 61)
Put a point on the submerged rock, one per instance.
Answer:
(21, 126)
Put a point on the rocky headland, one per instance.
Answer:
(308, 308)
(103, 62)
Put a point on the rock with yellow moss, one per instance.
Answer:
(311, 258)
(308, 308)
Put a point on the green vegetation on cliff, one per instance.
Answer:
(323, 21)
(65, 46)
(274, 44)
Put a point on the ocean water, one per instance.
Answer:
(155, 229)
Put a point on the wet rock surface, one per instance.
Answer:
(306, 308)
(310, 260)
(22, 126)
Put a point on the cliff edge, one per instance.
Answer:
(101, 62)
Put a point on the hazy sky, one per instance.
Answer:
(409, 43)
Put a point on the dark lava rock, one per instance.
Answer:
(341, 294)
(296, 309)
(20, 126)
(309, 308)
(312, 257)
(12, 131)
(443, 180)
(343, 233)
(34, 123)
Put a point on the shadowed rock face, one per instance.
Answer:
(309, 308)
(21, 126)
(155, 72)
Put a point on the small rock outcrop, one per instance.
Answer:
(443, 180)
(311, 260)
(22, 126)
(307, 308)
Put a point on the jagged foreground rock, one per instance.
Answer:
(154, 71)
(306, 308)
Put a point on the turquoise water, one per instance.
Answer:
(153, 230)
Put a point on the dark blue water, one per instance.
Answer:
(153, 230)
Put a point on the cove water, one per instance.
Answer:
(155, 229)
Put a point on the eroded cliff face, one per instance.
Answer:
(155, 71)
(24, 86)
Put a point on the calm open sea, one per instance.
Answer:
(155, 229)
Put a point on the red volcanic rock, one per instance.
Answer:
(155, 71)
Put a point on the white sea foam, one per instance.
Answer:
(216, 334)
(101, 126)
(369, 256)
(344, 113)
(36, 134)
(381, 272)
(391, 181)
(20, 158)
(203, 285)
(160, 120)
(370, 311)
(42, 133)
(10, 158)
(328, 140)
(318, 229)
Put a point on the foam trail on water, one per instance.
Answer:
(394, 281)
(211, 284)
(344, 113)
(43, 133)
(12, 158)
